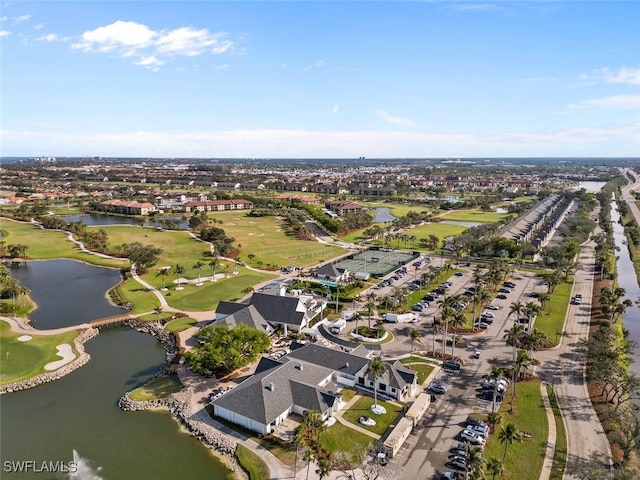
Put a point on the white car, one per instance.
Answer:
(491, 306)
(472, 437)
(481, 429)
(488, 314)
(482, 325)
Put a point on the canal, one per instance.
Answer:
(79, 412)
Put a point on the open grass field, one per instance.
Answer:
(271, 241)
(252, 464)
(551, 321)
(419, 365)
(362, 407)
(140, 296)
(473, 215)
(560, 453)
(396, 209)
(47, 244)
(524, 459)
(339, 437)
(22, 360)
(159, 387)
(440, 230)
(180, 324)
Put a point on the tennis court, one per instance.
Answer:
(376, 262)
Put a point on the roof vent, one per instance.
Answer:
(300, 366)
(347, 365)
(271, 386)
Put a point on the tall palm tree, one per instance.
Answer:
(309, 456)
(544, 299)
(531, 311)
(447, 314)
(474, 461)
(457, 321)
(493, 419)
(507, 435)
(414, 334)
(198, 266)
(163, 272)
(178, 270)
(213, 264)
(517, 308)
(495, 467)
(324, 468)
(523, 361)
(158, 311)
(376, 367)
(513, 336)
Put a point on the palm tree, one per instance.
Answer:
(178, 270)
(414, 334)
(531, 310)
(507, 435)
(158, 311)
(198, 266)
(517, 308)
(513, 337)
(324, 468)
(523, 361)
(376, 367)
(163, 272)
(544, 299)
(495, 467)
(493, 419)
(458, 320)
(309, 456)
(474, 461)
(213, 264)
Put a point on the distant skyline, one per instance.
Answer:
(325, 79)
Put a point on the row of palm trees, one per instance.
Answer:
(178, 270)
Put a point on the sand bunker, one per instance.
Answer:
(24, 338)
(252, 233)
(66, 352)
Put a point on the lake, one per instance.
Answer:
(79, 412)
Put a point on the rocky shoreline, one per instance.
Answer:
(82, 358)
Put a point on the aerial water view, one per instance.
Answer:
(360, 240)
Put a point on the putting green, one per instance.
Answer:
(21, 360)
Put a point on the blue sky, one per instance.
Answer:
(320, 79)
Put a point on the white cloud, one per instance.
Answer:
(622, 140)
(4, 18)
(21, 18)
(624, 75)
(4, 33)
(53, 37)
(394, 120)
(39, 26)
(619, 102)
(475, 7)
(132, 39)
(224, 66)
(150, 61)
(316, 64)
(335, 109)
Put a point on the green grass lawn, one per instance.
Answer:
(473, 215)
(418, 365)
(524, 459)
(271, 241)
(560, 454)
(551, 321)
(252, 463)
(340, 438)
(141, 297)
(362, 407)
(21, 360)
(181, 324)
(440, 230)
(48, 244)
(159, 387)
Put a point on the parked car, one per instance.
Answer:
(509, 284)
(487, 314)
(505, 290)
(481, 324)
(472, 437)
(475, 421)
(451, 365)
(417, 308)
(481, 429)
(437, 388)
(492, 307)
(458, 462)
(458, 274)
(476, 354)
(501, 296)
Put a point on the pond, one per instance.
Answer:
(383, 215)
(462, 224)
(96, 220)
(79, 412)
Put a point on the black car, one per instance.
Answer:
(475, 421)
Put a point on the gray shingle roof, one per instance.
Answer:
(249, 316)
(336, 360)
(275, 309)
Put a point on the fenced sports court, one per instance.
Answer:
(376, 262)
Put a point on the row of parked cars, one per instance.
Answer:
(475, 433)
